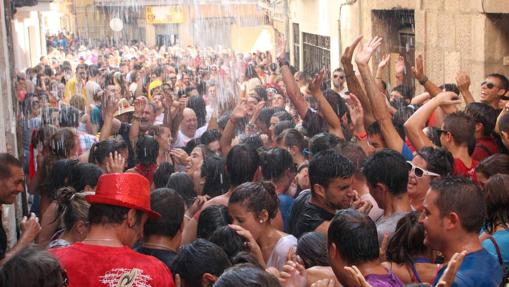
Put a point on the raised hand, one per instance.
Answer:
(357, 277)
(384, 62)
(356, 111)
(197, 205)
(400, 65)
(239, 112)
(365, 53)
(254, 248)
(316, 83)
(346, 58)
(179, 156)
(418, 69)
(463, 81)
(115, 163)
(110, 105)
(293, 275)
(448, 99)
(454, 264)
(139, 106)
(30, 228)
(281, 50)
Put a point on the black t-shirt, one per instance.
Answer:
(314, 123)
(124, 133)
(166, 256)
(306, 217)
(3, 242)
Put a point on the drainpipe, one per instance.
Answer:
(346, 3)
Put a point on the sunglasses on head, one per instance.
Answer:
(419, 172)
(488, 84)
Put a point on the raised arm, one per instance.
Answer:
(292, 89)
(417, 122)
(139, 107)
(357, 116)
(229, 131)
(353, 83)
(110, 106)
(328, 113)
(418, 72)
(463, 83)
(377, 98)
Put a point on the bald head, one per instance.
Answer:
(189, 123)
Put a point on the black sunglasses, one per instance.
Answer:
(441, 131)
(341, 77)
(488, 85)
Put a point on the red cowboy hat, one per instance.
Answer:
(129, 190)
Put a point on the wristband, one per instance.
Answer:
(283, 63)
(423, 80)
(361, 136)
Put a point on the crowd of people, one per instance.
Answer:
(187, 167)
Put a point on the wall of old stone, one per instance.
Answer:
(452, 35)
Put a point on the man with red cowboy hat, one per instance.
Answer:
(118, 210)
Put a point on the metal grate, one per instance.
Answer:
(316, 50)
(296, 46)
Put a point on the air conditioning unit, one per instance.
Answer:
(23, 3)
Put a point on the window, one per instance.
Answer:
(296, 46)
(316, 52)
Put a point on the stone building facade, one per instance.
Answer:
(452, 35)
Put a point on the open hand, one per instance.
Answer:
(463, 81)
(418, 69)
(384, 62)
(346, 58)
(316, 83)
(30, 228)
(115, 163)
(367, 50)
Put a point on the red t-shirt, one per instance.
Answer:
(103, 266)
(484, 147)
(462, 170)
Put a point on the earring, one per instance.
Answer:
(261, 220)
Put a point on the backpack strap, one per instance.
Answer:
(484, 148)
(499, 254)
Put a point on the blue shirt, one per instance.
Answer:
(479, 269)
(285, 206)
(502, 239)
(407, 153)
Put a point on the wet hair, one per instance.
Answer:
(246, 275)
(438, 160)
(282, 116)
(217, 181)
(355, 237)
(183, 184)
(496, 192)
(275, 162)
(242, 162)
(504, 82)
(484, 114)
(7, 161)
(261, 93)
(407, 242)
(266, 114)
(292, 137)
(229, 240)
(78, 102)
(46, 115)
(32, 267)
(100, 151)
(461, 126)
(323, 141)
(170, 205)
(62, 142)
(374, 129)
(212, 218)
(460, 195)
(336, 102)
(69, 117)
(389, 168)
(147, 150)
(355, 154)
(433, 134)
(162, 174)
(191, 145)
(197, 104)
(103, 214)
(83, 174)
(93, 70)
(210, 136)
(450, 87)
(405, 91)
(312, 249)
(256, 197)
(497, 163)
(72, 207)
(58, 176)
(503, 123)
(198, 258)
(253, 141)
(223, 120)
(400, 118)
(282, 126)
(328, 165)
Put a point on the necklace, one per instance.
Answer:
(157, 246)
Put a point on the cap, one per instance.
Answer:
(129, 190)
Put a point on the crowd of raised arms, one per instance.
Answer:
(199, 167)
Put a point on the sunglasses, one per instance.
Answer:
(488, 85)
(441, 131)
(419, 172)
(336, 76)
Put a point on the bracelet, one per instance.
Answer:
(423, 80)
(349, 75)
(187, 217)
(361, 136)
(283, 63)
